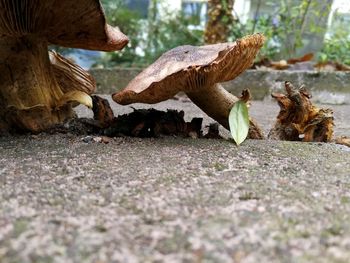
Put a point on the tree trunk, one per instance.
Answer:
(152, 44)
(314, 26)
(29, 91)
(220, 20)
(308, 29)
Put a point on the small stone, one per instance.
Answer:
(105, 139)
(88, 139)
(97, 139)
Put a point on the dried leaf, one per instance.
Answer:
(332, 66)
(306, 57)
(239, 122)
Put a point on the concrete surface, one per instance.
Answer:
(326, 87)
(175, 199)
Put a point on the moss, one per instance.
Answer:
(334, 230)
(345, 200)
(20, 226)
(219, 167)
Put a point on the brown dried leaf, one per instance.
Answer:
(306, 57)
(332, 66)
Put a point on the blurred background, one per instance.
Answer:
(293, 28)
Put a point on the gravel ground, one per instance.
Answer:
(174, 199)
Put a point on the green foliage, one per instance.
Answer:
(148, 38)
(263, 24)
(286, 27)
(337, 46)
(129, 23)
(335, 50)
(303, 24)
(171, 33)
(239, 122)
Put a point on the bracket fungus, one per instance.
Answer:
(299, 119)
(34, 92)
(197, 71)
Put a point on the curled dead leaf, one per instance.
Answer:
(306, 57)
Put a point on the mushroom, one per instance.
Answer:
(197, 71)
(34, 92)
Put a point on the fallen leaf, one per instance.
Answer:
(332, 66)
(306, 57)
(239, 121)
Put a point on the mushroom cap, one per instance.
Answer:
(71, 76)
(76, 24)
(189, 68)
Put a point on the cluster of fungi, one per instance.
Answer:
(39, 88)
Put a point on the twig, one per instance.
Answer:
(256, 16)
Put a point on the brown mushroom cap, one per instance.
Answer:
(69, 23)
(189, 68)
(70, 76)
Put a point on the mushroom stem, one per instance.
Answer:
(29, 91)
(219, 110)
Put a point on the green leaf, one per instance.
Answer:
(239, 122)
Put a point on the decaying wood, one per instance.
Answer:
(103, 112)
(343, 140)
(299, 119)
(213, 131)
(154, 123)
